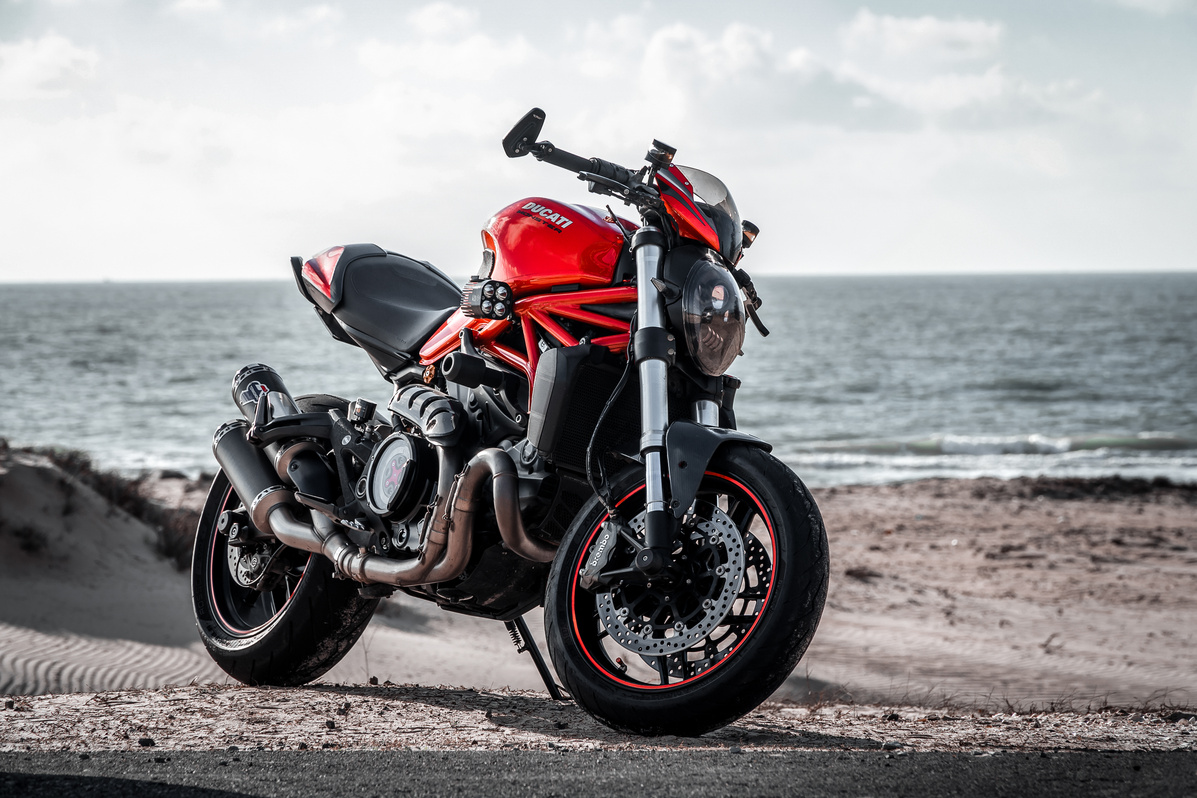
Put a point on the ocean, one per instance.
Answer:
(863, 380)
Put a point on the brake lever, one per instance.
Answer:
(643, 197)
(756, 320)
(753, 302)
(613, 186)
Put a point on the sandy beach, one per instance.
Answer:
(974, 596)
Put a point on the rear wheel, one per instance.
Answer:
(269, 614)
(693, 653)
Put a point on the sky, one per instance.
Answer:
(213, 139)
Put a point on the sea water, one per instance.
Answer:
(863, 379)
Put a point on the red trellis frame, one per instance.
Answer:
(535, 313)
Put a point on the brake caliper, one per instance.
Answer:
(590, 576)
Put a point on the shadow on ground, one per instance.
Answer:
(566, 721)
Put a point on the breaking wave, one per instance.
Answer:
(1009, 445)
(1144, 457)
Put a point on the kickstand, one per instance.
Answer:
(524, 642)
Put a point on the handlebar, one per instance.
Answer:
(603, 177)
(547, 152)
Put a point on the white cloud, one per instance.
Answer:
(868, 155)
(686, 53)
(602, 50)
(440, 19)
(938, 94)
(687, 76)
(285, 25)
(197, 6)
(947, 71)
(924, 37)
(801, 62)
(475, 58)
(1160, 7)
(43, 68)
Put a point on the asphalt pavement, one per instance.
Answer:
(655, 774)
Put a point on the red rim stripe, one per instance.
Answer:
(574, 589)
(212, 586)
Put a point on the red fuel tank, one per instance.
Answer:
(540, 243)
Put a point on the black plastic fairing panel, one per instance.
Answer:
(385, 358)
(320, 303)
(573, 385)
(555, 374)
(689, 447)
(391, 298)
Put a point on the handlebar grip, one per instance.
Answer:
(614, 171)
(545, 151)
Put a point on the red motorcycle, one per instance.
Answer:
(561, 433)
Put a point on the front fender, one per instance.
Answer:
(689, 447)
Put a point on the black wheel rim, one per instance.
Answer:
(670, 671)
(242, 611)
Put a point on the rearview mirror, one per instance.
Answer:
(524, 134)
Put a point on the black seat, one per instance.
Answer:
(391, 298)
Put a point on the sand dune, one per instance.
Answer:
(86, 605)
(34, 663)
(85, 602)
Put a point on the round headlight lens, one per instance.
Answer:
(712, 317)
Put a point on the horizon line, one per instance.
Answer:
(760, 274)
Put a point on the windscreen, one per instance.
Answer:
(720, 206)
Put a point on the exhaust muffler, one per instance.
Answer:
(256, 380)
(249, 472)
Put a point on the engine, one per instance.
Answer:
(400, 478)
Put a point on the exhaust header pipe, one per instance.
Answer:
(449, 541)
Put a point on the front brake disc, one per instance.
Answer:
(658, 619)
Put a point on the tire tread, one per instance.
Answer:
(316, 629)
(768, 656)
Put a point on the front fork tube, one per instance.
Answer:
(654, 350)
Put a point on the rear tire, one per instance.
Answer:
(604, 645)
(286, 636)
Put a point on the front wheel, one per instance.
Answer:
(690, 654)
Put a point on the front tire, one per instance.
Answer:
(289, 634)
(690, 658)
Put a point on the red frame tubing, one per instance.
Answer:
(538, 310)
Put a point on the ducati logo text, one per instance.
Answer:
(547, 214)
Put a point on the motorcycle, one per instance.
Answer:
(562, 433)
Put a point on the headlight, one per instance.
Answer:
(712, 317)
